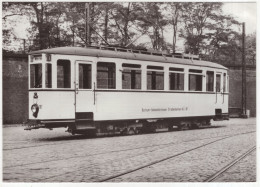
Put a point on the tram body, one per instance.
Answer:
(103, 90)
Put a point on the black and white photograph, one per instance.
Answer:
(122, 92)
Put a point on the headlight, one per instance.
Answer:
(35, 110)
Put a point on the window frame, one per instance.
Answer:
(224, 82)
(115, 76)
(220, 75)
(49, 73)
(227, 83)
(152, 68)
(196, 72)
(213, 89)
(176, 70)
(78, 74)
(136, 67)
(70, 74)
(30, 79)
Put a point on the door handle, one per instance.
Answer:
(77, 88)
(216, 95)
(223, 95)
(94, 90)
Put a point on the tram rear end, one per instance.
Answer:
(51, 97)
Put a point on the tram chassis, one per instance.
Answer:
(125, 127)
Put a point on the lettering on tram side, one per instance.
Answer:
(164, 109)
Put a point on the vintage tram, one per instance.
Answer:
(105, 90)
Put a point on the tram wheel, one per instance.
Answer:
(181, 127)
(130, 131)
(136, 131)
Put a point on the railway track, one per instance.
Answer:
(74, 138)
(165, 145)
(67, 138)
(167, 158)
(151, 163)
(230, 165)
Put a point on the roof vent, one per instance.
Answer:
(186, 56)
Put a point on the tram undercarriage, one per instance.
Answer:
(125, 127)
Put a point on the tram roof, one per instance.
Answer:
(80, 51)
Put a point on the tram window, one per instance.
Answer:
(195, 71)
(131, 76)
(36, 75)
(218, 82)
(63, 74)
(210, 81)
(155, 80)
(224, 82)
(227, 83)
(176, 69)
(48, 72)
(195, 82)
(85, 76)
(155, 67)
(176, 81)
(106, 75)
(131, 65)
(131, 79)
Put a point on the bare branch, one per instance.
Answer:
(5, 17)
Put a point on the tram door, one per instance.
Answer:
(84, 98)
(219, 90)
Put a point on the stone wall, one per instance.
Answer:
(15, 89)
(235, 89)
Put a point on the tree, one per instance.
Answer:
(9, 16)
(44, 27)
(124, 15)
(224, 48)
(201, 22)
(55, 24)
(174, 10)
(152, 20)
(251, 49)
(48, 22)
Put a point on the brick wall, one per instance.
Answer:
(235, 89)
(15, 89)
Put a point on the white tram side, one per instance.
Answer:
(123, 91)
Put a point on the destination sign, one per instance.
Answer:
(164, 109)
